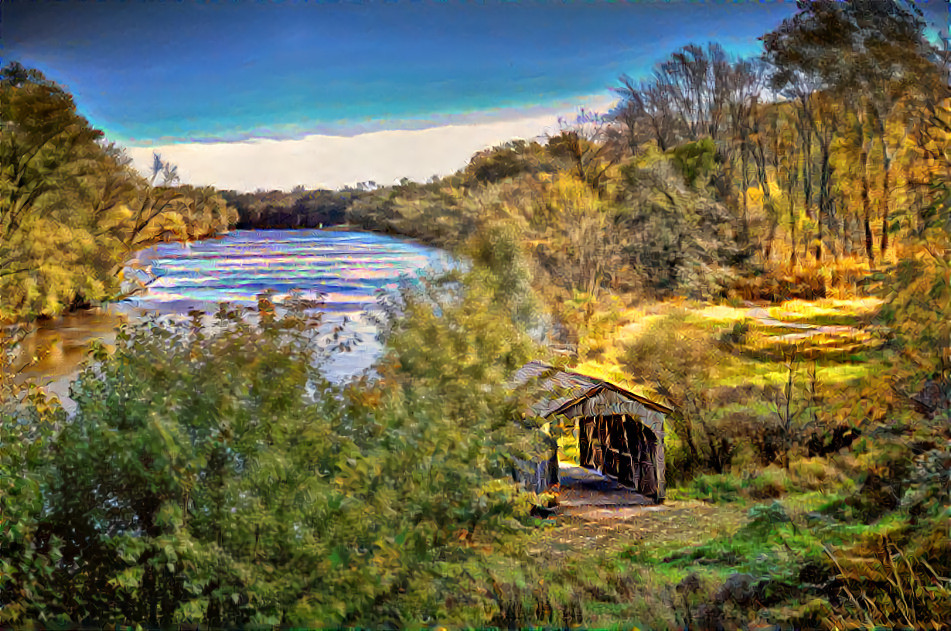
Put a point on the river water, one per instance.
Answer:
(346, 271)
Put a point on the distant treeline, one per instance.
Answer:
(298, 209)
(784, 175)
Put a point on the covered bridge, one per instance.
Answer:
(620, 434)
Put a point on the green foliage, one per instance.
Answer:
(506, 161)
(28, 421)
(696, 160)
(211, 475)
(917, 293)
(715, 488)
(679, 361)
(680, 236)
(502, 267)
(298, 209)
(72, 207)
(48, 254)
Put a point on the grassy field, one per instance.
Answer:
(848, 352)
(749, 548)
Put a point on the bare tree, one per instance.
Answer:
(647, 111)
(586, 143)
(783, 404)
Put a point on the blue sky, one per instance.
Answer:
(173, 74)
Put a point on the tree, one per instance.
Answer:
(686, 97)
(696, 80)
(804, 68)
(62, 191)
(678, 362)
(211, 475)
(42, 135)
(584, 142)
(646, 112)
(916, 290)
(679, 238)
(830, 51)
(583, 247)
(896, 61)
(743, 83)
(45, 147)
(72, 207)
(154, 202)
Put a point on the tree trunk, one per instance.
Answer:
(746, 186)
(866, 208)
(807, 189)
(886, 169)
(885, 209)
(807, 172)
(846, 240)
(792, 228)
(773, 224)
(825, 196)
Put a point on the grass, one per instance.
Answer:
(774, 373)
(772, 524)
(808, 480)
(627, 572)
(856, 312)
(614, 565)
(768, 522)
(717, 319)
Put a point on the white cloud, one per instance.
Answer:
(335, 161)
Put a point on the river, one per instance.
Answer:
(346, 271)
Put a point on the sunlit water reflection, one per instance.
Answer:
(346, 271)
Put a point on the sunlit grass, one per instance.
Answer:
(759, 359)
(721, 315)
(826, 312)
(765, 374)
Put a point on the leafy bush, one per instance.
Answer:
(211, 475)
(770, 483)
(715, 488)
(72, 207)
(696, 160)
(678, 359)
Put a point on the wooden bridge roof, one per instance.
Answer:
(567, 389)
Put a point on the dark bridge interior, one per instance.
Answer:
(619, 446)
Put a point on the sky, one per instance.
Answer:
(271, 95)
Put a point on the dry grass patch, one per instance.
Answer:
(675, 524)
(724, 314)
(826, 310)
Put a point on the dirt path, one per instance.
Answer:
(589, 501)
(596, 530)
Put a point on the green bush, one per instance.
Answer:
(716, 488)
(211, 475)
(770, 483)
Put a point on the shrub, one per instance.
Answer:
(716, 488)
(678, 360)
(211, 475)
(772, 482)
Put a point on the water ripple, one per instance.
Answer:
(340, 267)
